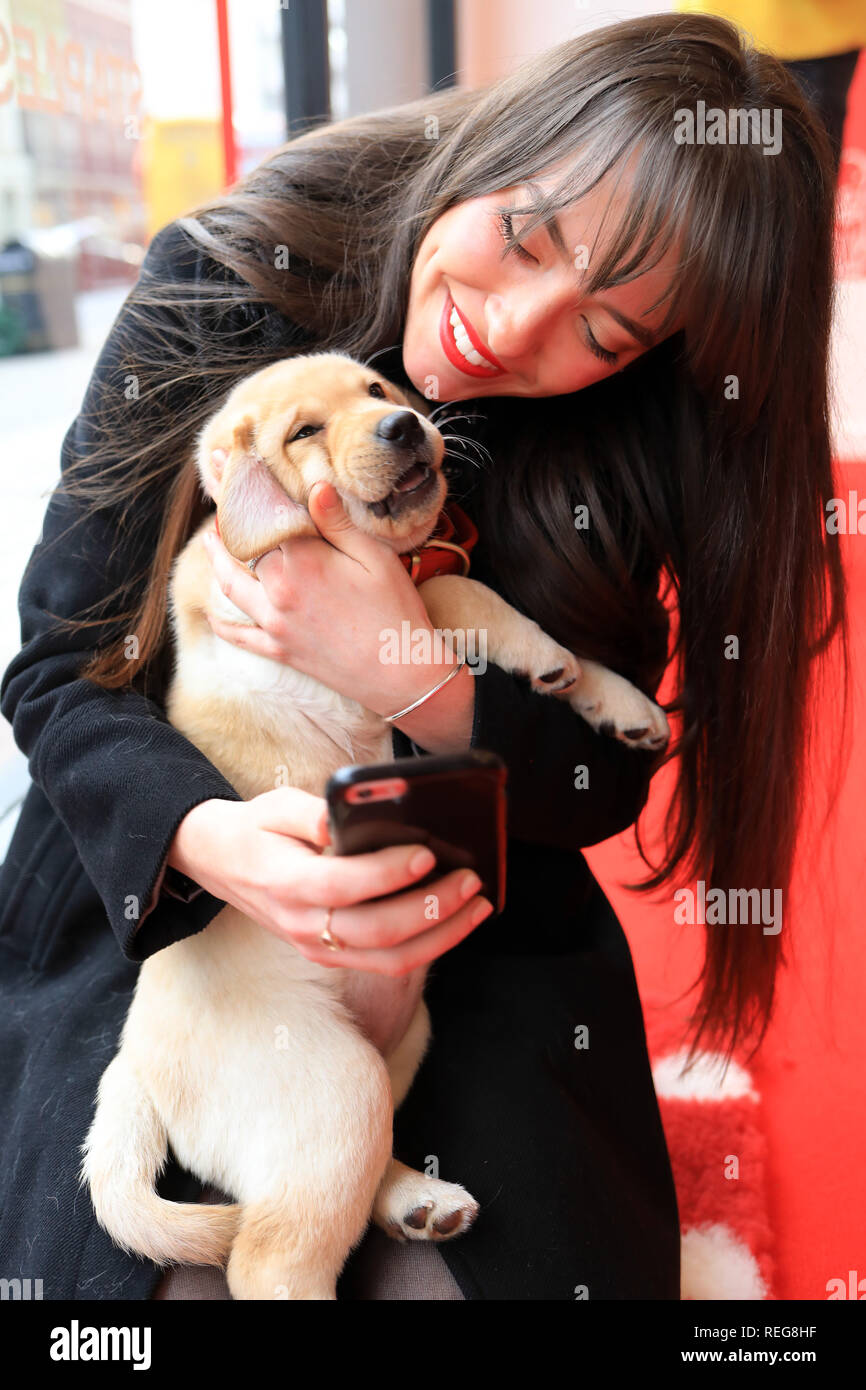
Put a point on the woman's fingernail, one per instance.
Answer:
(422, 862)
(482, 910)
(469, 885)
(327, 496)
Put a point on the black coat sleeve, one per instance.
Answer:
(551, 799)
(117, 774)
(546, 746)
(568, 787)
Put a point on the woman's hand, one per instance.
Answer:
(320, 606)
(265, 858)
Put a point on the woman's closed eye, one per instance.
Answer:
(602, 353)
(505, 222)
(506, 228)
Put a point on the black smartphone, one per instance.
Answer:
(454, 804)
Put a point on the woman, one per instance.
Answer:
(670, 303)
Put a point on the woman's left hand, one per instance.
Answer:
(321, 605)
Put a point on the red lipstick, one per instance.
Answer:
(453, 353)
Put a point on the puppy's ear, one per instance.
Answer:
(254, 513)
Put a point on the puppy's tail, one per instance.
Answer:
(124, 1154)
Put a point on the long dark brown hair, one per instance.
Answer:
(706, 462)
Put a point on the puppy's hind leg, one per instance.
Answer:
(318, 1162)
(410, 1205)
(294, 1250)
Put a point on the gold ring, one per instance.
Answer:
(327, 937)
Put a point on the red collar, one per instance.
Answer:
(446, 550)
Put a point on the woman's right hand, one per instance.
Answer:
(265, 858)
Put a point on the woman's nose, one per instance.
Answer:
(519, 322)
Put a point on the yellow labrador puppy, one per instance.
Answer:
(299, 1134)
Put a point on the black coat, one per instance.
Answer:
(563, 1147)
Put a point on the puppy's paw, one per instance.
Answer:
(420, 1208)
(615, 707)
(562, 671)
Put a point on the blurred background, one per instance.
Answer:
(118, 115)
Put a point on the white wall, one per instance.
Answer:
(493, 36)
(387, 53)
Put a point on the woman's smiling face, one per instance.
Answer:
(478, 325)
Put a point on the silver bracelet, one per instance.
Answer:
(389, 718)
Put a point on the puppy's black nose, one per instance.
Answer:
(401, 427)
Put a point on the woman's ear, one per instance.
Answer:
(254, 512)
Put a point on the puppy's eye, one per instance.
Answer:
(376, 390)
(304, 432)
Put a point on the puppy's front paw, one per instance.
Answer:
(613, 706)
(561, 673)
(420, 1208)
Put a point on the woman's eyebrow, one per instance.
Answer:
(550, 223)
(642, 335)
